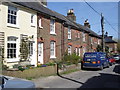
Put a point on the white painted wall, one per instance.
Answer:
(23, 27)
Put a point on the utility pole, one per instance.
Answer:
(103, 39)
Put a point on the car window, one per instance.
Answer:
(90, 56)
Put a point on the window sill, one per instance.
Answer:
(10, 60)
(53, 34)
(69, 38)
(40, 27)
(13, 26)
(32, 25)
(52, 57)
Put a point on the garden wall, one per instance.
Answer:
(32, 73)
(39, 72)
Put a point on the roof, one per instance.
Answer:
(40, 8)
(109, 40)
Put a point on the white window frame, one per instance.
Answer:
(84, 50)
(79, 51)
(12, 14)
(40, 22)
(69, 32)
(52, 49)
(52, 26)
(98, 41)
(76, 50)
(83, 37)
(32, 20)
(91, 39)
(78, 35)
(30, 48)
(69, 50)
(11, 41)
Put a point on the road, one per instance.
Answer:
(107, 78)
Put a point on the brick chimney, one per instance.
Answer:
(71, 15)
(86, 23)
(42, 2)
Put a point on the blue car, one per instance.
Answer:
(94, 60)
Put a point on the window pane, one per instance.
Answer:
(12, 12)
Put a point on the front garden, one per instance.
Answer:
(69, 63)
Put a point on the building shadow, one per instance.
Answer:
(102, 81)
(66, 77)
(117, 69)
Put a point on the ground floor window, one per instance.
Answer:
(52, 49)
(79, 52)
(11, 47)
(30, 48)
(69, 49)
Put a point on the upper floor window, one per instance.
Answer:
(32, 19)
(91, 40)
(78, 35)
(69, 32)
(83, 34)
(40, 22)
(52, 26)
(12, 15)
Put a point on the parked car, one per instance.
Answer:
(11, 82)
(117, 58)
(94, 60)
(111, 61)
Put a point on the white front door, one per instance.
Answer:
(40, 53)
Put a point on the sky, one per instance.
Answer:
(83, 12)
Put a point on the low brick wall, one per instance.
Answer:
(32, 73)
(70, 67)
(39, 72)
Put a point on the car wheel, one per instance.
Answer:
(82, 67)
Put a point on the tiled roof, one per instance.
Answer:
(109, 40)
(40, 8)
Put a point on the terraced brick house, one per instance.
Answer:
(52, 34)
(112, 44)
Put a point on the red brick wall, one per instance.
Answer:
(47, 37)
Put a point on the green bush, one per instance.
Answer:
(50, 64)
(4, 67)
(71, 59)
(21, 68)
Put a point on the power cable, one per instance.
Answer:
(100, 15)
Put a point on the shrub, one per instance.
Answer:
(21, 68)
(50, 64)
(4, 67)
(71, 59)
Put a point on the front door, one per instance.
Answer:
(40, 53)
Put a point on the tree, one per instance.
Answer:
(99, 49)
(24, 50)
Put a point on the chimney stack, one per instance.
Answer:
(86, 23)
(71, 15)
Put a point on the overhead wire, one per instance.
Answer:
(100, 15)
